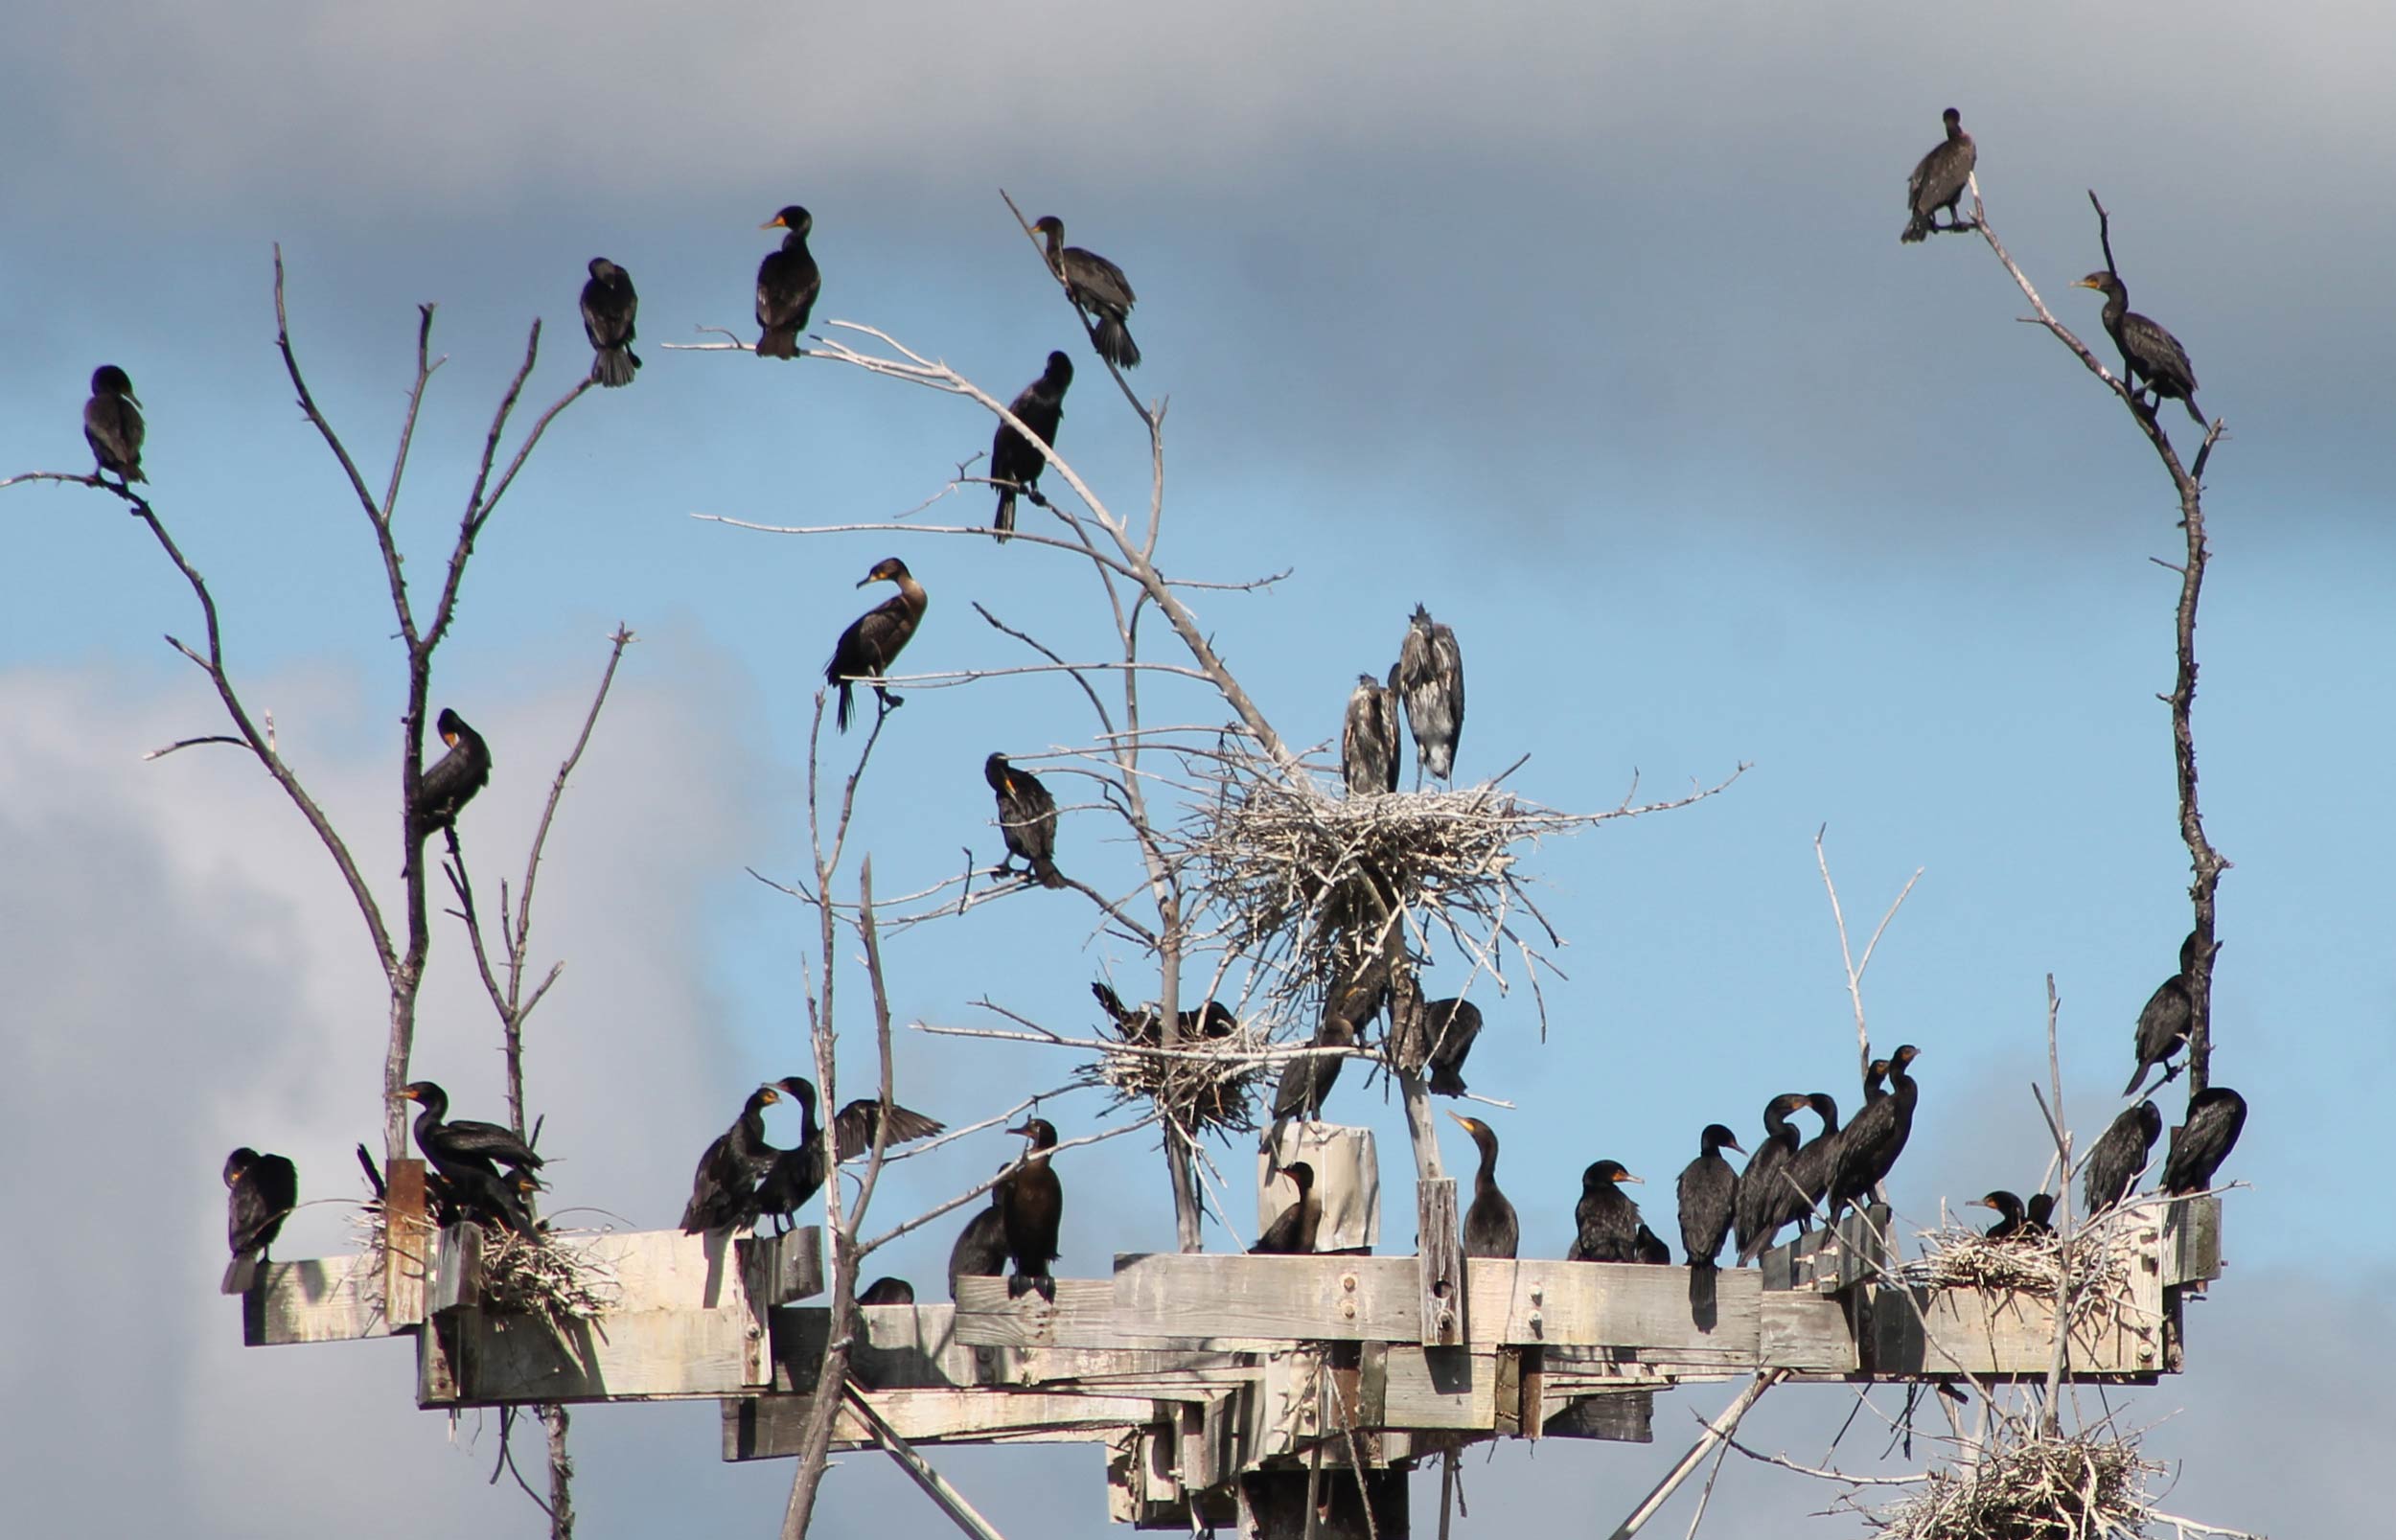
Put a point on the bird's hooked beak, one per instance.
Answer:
(2082, 282)
(1624, 1176)
(774, 224)
(1733, 1145)
(872, 577)
(1978, 1202)
(404, 1093)
(1025, 1131)
(771, 1094)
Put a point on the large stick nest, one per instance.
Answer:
(1960, 1257)
(2035, 1488)
(1204, 1084)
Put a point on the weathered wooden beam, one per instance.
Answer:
(456, 1281)
(1931, 1333)
(767, 1427)
(917, 1347)
(783, 1269)
(1617, 1417)
(317, 1300)
(407, 1232)
(2192, 1240)
(1439, 1261)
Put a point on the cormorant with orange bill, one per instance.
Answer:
(1490, 1227)
(788, 282)
(2011, 1223)
(463, 1145)
(2149, 353)
(112, 424)
(724, 1190)
(259, 1191)
(451, 780)
(1015, 461)
(1027, 820)
(875, 638)
(1606, 1222)
(1096, 285)
(608, 307)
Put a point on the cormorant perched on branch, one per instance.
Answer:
(1027, 819)
(2149, 353)
(1305, 1082)
(464, 1145)
(887, 1291)
(453, 779)
(1607, 1222)
(2163, 1023)
(1097, 285)
(1140, 1027)
(1869, 1149)
(1490, 1227)
(1810, 1169)
(1031, 1209)
(797, 1173)
(875, 638)
(1449, 1026)
(608, 307)
(1014, 458)
(112, 424)
(259, 1190)
(2012, 1225)
(2200, 1145)
(1757, 1205)
(1368, 745)
(1709, 1191)
(980, 1249)
(1938, 181)
(723, 1188)
(2119, 1153)
(1430, 679)
(1292, 1231)
(788, 282)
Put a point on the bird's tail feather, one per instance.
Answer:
(1046, 870)
(1701, 1292)
(778, 342)
(1004, 520)
(1915, 230)
(240, 1274)
(841, 716)
(1116, 344)
(613, 366)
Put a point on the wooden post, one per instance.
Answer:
(1439, 1257)
(408, 1241)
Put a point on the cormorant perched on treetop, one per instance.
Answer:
(1031, 1209)
(2013, 1224)
(112, 424)
(1027, 819)
(1490, 1227)
(1869, 1149)
(1292, 1231)
(2149, 353)
(1756, 1207)
(608, 307)
(875, 638)
(2215, 1116)
(1014, 458)
(980, 1249)
(1938, 181)
(453, 779)
(1368, 745)
(1097, 285)
(1709, 1191)
(799, 1172)
(259, 1191)
(723, 1188)
(2119, 1153)
(1606, 1220)
(1430, 678)
(788, 282)
(2163, 1023)
(464, 1145)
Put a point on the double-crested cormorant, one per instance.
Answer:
(797, 1173)
(2038, 1216)
(1709, 1190)
(1140, 1027)
(2011, 1224)
(2119, 1153)
(980, 1249)
(1031, 1208)
(112, 424)
(1607, 1220)
(1292, 1233)
(1368, 745)
(875, 638)
(1027, 819)
(2200, 1144)
(467, 1195)
(1938, 181)
(452, 781)
(1449, 1025)
(1307, 1081)
(259, 1191)
(1760, 1186)
(724, 1190)
(1431, 681)
(1014, 458)
(1097, 285)
(2149, 353)
(1648, 1247)
(1810, 1169)
(465, 1144)
(1875, 1081)
(2164, 1020)
(887, 1291)
(788, 282)
(1490, 1227)
(1869, 1149)
(608, 305)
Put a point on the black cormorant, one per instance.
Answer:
(465, 1194)
(463, 1145)
(723, 1188)
(2038, 1216)
(1648, 1247)
(797, 1173)
(1709, 1191)
(1760, 1185)
(2163, 1023)
(1369, 746)
(875, 638)
(1449, 1026)
(2149, 353)
(1938, 181)
(1214, 1020)
(259, 1190)
(1875, 1081)
(1606, 1220)
(788, 282)
(112, 424)
(1027, 820)
(1097, 285)
(1292, 1233)
(608, 305)
(2120, 1153)
(1869, 1150)
(1307, 1081)
(980, 1249)
(887, 1291)
(1431, 681)
(2200, 1144)
(1015, 461)
(1031, 1208)
(2011, 1223)
(452, 781)
(1490, 1227)
(1810, 1169)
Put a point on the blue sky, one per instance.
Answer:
(1588, 328)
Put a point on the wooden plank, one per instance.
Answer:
(1807, 1331)
(407, 1242)
(782, 1268)
(456, 1281)
(1618, 1417)
(506, 1358)
(1267, 1301)
(767, 1427)
(1616, 1305)
(1439, 1263)
(2192, 1240)
(1928, 1332)
(1347, 1182)
(318, 1300)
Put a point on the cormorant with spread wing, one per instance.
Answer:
(2149, 353)
(874, 640)
(1368, 744)
(1096, 285)
(1939, 180)
(797, 1173)
(112, 424)
(788, 282)
(1430, 678)
(1015, 461)
(259, 1191)
(1027, 820)
(608, 308)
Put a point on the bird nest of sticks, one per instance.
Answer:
(531, 1275)
(1205, 1084)
(2031, 1485)
(1960, 1257)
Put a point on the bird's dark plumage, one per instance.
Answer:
(2117, 1156)
(1305, 1082)
(723, 1188)
(1096, 285)
(1648, 1247)
(875, 638)
(463, 1144)
(1755, 1206)
(887, 1291)
(112, 424)
(798, 1174)
(980, 1249)
(1014, 458)
(1939, 180)
(1027, 819)
(1810, 1168)
(1431, 682)
(1708, 1191)
(2149, 353)
(1606, 1221)
(2038, 1216)
(1868, 1151)
(259, 1190)
(1143, 1026)
(1449, 1027)
(788, 282)
(608, 308)
(1368, 745)
(452, 781)
(1292, 1231)
(2163, 1023)
(2215, 1116)
(1490, 1227)
(2010, 1223)
(1031, 1209)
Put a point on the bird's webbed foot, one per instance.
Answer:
(889, 701)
